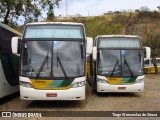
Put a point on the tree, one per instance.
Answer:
(158, 7)
(149, 32)
(151, 38)
(27, 10)
(144, 8)
(153, 42)
(137, 10)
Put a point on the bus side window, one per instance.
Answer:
(158, 62)
(146, 62)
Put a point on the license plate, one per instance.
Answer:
(51, 95)
(121, 88)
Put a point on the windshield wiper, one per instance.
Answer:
(114, 67)
(42, 66)
(81, 50)
(125, 62)
(64, 72)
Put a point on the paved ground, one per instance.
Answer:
(149, 100)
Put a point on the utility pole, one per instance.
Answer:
(66, 8)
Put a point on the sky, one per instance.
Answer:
(99, 7)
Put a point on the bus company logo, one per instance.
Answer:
(112, 79)
(6, 114)
(20, 114)
(40, 82)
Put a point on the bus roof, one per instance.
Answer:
(64, 23)
(10, 29)
(119, 36)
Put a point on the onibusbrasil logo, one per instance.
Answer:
(21, 114)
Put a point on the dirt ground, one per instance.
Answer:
(149, 100)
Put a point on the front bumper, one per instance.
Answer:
(69, 94)
(105, 87)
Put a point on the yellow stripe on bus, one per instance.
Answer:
(114, 80)
(45, 85)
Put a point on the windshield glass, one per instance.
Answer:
(54, 31)
(53, 59)
(120, 62)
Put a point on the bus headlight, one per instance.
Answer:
(102, 80)
(78, 84)
(26, 84)
(140, 80)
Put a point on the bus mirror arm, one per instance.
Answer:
(15, 46)
(94, 53)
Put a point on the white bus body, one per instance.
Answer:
(148, 65)
(118, 63)
(9, 63)
(53, 61)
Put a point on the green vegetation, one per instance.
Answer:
(99, 25)
(28, 10)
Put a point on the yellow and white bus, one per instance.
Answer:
(118, 64)
(53, 61)
(148, 65)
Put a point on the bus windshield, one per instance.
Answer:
(120, 63)
(120, 57)
(52, 59)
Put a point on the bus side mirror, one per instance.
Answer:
(15, 46)
(94, 53)
(89, 45)
(147, 51)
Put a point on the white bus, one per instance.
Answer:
(9, 63)
(118, 64)
(53, 61)
(148, 65)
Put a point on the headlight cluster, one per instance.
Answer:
(140, 80)
(26, 84)
(78, 84)
(102, 80)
